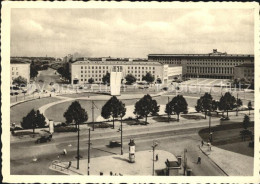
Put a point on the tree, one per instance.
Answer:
(177, 105)
(33, 70)
(40, 120)
(227, 102)
(33, 120)
(90, 81)
(168, 110)
(113, 108)
(204, 104)
(246, 122)
(236, 83)
(77, 114)
(64, 71)
(149, 78)
(146, 106)
(238, 104)
(249, 105)
(130, 79)
(106, 78)
(19, 81)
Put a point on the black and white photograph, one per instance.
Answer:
(127, 91)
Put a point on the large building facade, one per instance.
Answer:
(82, 71)
(245, 71)
(213, 65)
(19, 69)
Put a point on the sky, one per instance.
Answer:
(130, 32)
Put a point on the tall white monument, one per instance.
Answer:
(115, 80)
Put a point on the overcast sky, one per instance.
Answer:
(130, 32)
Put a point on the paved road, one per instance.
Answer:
(169, 140)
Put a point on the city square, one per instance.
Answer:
(132, 92)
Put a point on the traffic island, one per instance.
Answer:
(119, 165)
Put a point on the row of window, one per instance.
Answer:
(210, 70)
(106, 67)
(218, 60)
(141, 72)
(93, 71)
(219, 63)
(94, 67)
(135, 67)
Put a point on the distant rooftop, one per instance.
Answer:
(16, 61)
(215, 53)
(86, 62)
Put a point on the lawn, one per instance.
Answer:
(192, 117)
(17, 112)
(234, 143)
(86, 104)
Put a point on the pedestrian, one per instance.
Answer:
(111, 173)
(156, 157)
(58, 157)
(64, 152)
(199, 160)
(202, 143)
(209, 146)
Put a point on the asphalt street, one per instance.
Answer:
(173, 141)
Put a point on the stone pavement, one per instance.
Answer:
(233, 164)
(119, 165)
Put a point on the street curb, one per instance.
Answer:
(12, 105)
(213, 161)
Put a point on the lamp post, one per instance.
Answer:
(78, 148)
(93, 127)
(185, 161)
(121, 137)
(237, 104)
(169, 110)
(154, 146)
(89, 150)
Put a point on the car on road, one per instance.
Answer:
(44, 138)
(113, 144)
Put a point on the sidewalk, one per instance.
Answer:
(132, 130)
(119, 164)
(233, 164)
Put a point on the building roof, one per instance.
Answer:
(214, 54)
(87, 62)
(247, 65)
(204, 55)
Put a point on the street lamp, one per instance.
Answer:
(185, 161)
(154, 146)
(121, 130)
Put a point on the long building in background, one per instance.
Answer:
(213, 65)
(82, 71)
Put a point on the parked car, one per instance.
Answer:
(224, 118)
(44, 138)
